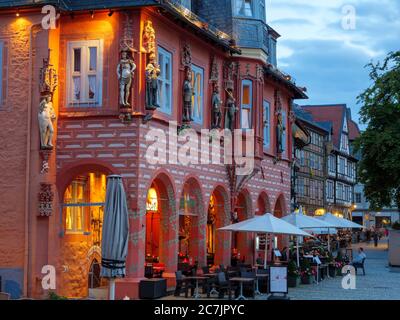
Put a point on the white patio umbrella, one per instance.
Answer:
(304, 222)
(339, 223)
(114, 242)
(266, 223)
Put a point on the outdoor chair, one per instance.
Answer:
(182, 285)
(223, 285)
(263, 282)
(5, 296)
(359, 265)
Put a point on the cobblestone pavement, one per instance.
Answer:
(379, 283)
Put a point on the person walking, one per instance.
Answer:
(376, 237)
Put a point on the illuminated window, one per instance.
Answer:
(284, 139)
(84, 205)
(198, 89)
(85, 69)
(246, 105)
(164, 80)
(267, 125)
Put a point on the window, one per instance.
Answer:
(198, 89)
(244, 8)
(85, 69)
(340, 191)
(358, 197)
(272, 58)
(246, 106)
(267, 126)
(344, 143)
(332, 164)
(164, 80)
(262, 10)
(329, 189)
(342, 165)
(1, 71)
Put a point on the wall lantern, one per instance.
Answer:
(152, 200)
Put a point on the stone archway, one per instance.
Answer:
(218, 215)
(279, 212)
(161, 223)
(192, 224)
(243, 242)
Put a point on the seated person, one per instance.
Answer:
(361, 255)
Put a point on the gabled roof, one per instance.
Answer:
(307, 118)
(329, 113)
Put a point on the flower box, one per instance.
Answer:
(293, 281)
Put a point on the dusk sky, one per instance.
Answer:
(321, 55)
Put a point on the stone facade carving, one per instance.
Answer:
(231, 110)
(126, 68)
(187, 96)
(46, 116)
(48, 79)
(280, 126)
(152, 71)
(216, 108)
(46, 196)
(214, 74)
(186, 56)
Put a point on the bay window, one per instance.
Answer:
(246, 105)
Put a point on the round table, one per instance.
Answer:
(241, 281)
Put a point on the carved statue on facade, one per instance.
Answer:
(149, 37)
(46, 116)
(46, 196)
(152, 73)
(231, 110)
(186, 56)
(125, 71)
(188, 94)
(216, 108)
(280, 129)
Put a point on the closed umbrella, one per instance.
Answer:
(304, 222)
(114, 242)
(266, 223)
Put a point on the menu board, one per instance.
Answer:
(278, 279)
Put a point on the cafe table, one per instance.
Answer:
(196, 290)
(260, 276)
(211, 275)
(241, 281)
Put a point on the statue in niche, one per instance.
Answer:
(188, 94)
(152, 73)
(46, 116)
(125, 71)
(231, 110)
(216, 108)
(280, 129)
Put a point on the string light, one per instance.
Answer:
(17, 13)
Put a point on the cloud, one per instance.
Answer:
(327, 58)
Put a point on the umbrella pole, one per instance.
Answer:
(297, 251)
(112, 289)
(265, 252)
(329, 241)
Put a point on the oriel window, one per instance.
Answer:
(246, 105)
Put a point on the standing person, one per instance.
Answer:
(376, 237)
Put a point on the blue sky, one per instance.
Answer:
(326, 58)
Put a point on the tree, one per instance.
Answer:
(379, 144)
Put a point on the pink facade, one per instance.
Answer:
(94, 140)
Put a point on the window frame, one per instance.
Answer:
(246, 106)
(237, 9)
(163, 81)
(266, 124)
(84, 73)
(198, 70)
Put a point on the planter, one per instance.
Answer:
(394, 248)
(332, 271)
(293, 281)
(307, 279)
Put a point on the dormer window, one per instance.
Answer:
(244, 8)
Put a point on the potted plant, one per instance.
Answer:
(306, 272)
(293, 275)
